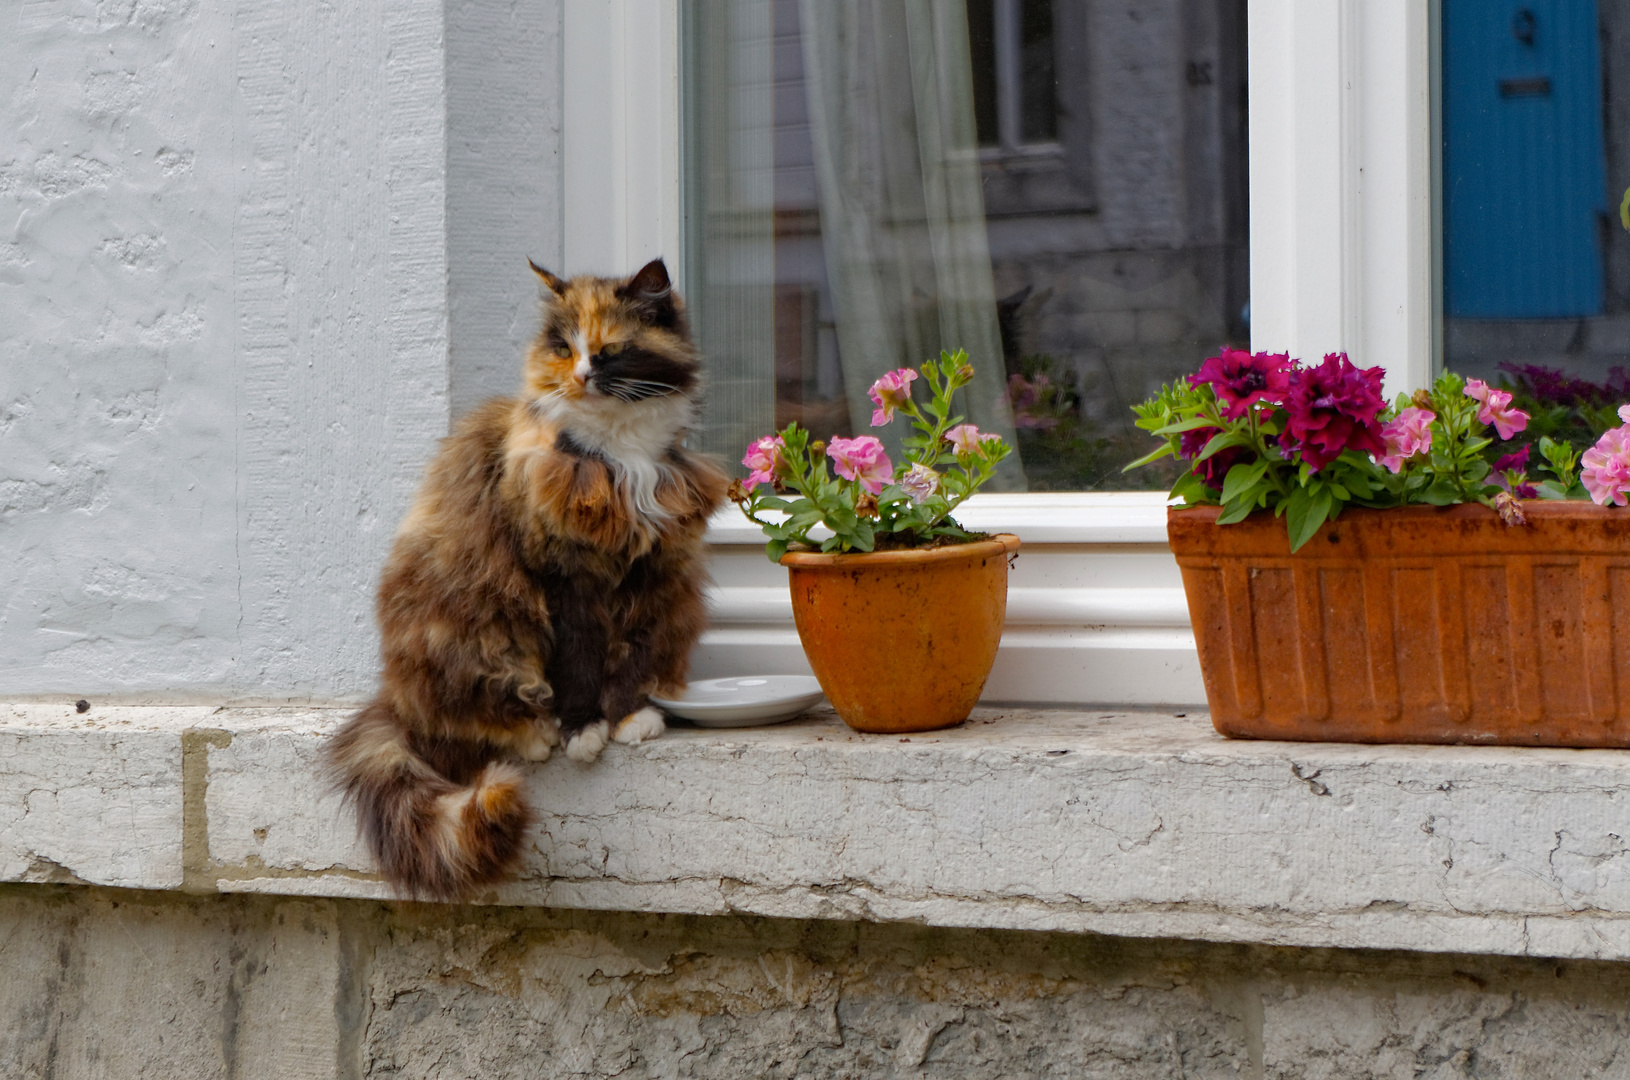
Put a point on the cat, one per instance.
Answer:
(549, 576)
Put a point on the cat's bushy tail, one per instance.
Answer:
(432, 838)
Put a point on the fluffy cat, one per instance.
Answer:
(548, 577)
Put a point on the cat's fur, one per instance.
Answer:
(548, 577)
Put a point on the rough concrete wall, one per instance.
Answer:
(223, 336)
(503, 190)
(110, 983)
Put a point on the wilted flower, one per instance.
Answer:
(761, 460)
(919, 483)
(1496, 408)
(736, 492)
(1606, 471)
(965, 438)
(862, 459)
(1241, 379)
(1509, 509)
(1332, 408)
(866, 505)
(1410, 433)
(890, 393)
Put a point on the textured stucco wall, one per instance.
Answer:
(109, 983)
(233, 319)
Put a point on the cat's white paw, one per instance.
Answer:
(585, 746)
(640, 726)
(538, 740)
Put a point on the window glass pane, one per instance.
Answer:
(982, 57)
(1057, 187)
(1038, 85)
(1536, 264)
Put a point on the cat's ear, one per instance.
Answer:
(652, 291)
(556, 285)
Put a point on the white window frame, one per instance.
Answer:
(1342, 259)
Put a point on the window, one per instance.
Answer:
(1058, 188)
(1341, 256)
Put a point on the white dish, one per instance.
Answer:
(743, 702)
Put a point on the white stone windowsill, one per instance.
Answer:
(1132, 823)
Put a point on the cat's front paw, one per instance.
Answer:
(585, 745)
(538, 740)
(640, 726)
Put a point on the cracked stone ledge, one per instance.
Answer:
(1142, 824)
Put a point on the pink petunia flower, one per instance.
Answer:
(1606, 471)
(1241, 379)
(920, 483)
(1624, 413)
(762, 458)
(1407, 435)
(862, 459)
(1496, 408)
(965, 438)
(1332, 408)
(890, 393)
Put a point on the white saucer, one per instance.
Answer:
(743, 702)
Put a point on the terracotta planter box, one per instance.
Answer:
(1419, 625)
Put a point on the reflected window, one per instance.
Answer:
(1536, 152)
(1057, 187)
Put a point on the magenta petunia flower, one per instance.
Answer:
(1410, 433)
(1606, 468)
(1333, 408)
(890, 393)
(1241, 379)
(761, 460)
(861, 458)
(920, 482)
(1496, 408)
(1214, 469)
(965, 438)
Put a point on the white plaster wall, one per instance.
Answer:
(503, 184)
(225, 327)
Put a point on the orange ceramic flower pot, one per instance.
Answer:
(1417, 624)
(902, 640)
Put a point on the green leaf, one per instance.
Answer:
(1186, 425)
(1237, 509)
(1222, 442)
(1191, 489)
(1165, 451)
(1305, 511)
(1551, 489)
(1241, 477)
(1441, 493)
(775, 549)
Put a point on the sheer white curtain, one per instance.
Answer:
(886, 90)
(730, 265)
(890, 97)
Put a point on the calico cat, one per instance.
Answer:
(548, 577)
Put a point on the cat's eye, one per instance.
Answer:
(611, 348)
(563, 350)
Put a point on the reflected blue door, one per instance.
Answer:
(1523, 168)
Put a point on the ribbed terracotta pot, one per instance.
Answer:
(1415, 625)
(902, 641)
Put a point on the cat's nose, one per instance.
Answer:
(581, 371)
